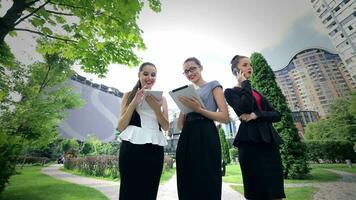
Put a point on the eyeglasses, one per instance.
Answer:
(191, 70)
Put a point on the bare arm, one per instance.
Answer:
(127, 110)
(181, 121)
(222, 114)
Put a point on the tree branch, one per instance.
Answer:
(59, 13)
(33, 12)
(39, 33)
(45, 81)
(66, 5)
(30, 3)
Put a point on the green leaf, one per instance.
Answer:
(47, 31)
(83, 43)
(13, 33)
(37, 22)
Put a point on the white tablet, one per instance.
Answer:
(186, 91)
(156, 94)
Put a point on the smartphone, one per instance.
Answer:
(235, 71)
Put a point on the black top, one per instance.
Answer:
(260, 129)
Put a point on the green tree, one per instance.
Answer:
(340, 124)
(70, 146)
(225, 154)
(293, 151)
(43, 101)
(94, 33)
(91, 146)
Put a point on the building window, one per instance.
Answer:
(331, 25)
(337, 9)
(348, 61)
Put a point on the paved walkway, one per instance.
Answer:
(109, 188)
(344, 189)
(167, 191)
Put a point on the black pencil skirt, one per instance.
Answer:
(198, 160)
(262, 170)
(140, 171)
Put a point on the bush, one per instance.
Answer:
(168, 162)
(332, 151)
(33, 160)
(9, 151)
(233, 154)
(104, 166)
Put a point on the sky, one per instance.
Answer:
(213, 31)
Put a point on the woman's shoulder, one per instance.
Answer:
(213, 84)
(231, 92)
(233, 89)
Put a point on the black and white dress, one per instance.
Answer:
(141, 156)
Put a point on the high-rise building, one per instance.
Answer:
(99, 115)
(338, 16)
(313, 79)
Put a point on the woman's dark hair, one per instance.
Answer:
(194, 59)
(138, 85)
(234, 62)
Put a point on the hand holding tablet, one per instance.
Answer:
(186, 94)
(155, 94)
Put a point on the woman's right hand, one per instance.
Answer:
(139, 96)
(241, 77)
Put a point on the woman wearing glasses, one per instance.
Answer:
(141, 151)
(198, 154)
(256, 139)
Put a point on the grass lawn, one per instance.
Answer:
(166, 175)
(233, 174)
(341, 167)
(317, 174)
(297, 193)
(31, 184)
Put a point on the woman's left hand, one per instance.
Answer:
(154, 104)
(248, 117)
(193, 104)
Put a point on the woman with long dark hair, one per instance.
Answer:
(141, 151)
(198, 156)
(256, 140)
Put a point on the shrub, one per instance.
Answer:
(105, 166)
(332, 151)
(233, 154)
(9, 151)
(168, 162)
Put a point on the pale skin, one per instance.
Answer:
(245, 72)
(194, 76)
(147, 78)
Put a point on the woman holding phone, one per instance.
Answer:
(256, 139)
(198, 155)
(141, 151)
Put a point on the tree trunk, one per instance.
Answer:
(7, 22)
